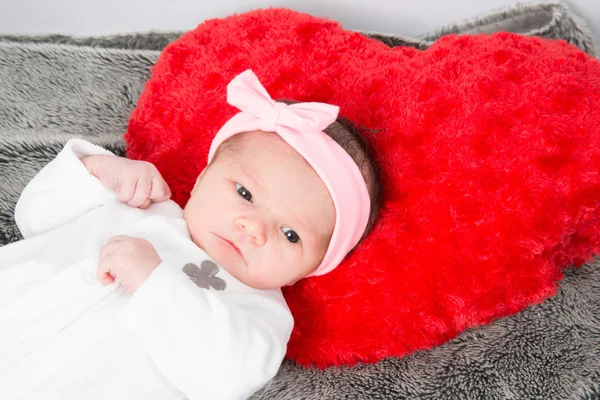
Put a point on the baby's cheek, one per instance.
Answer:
(269, 272)
(297, 265)
(193, 213)
(194, 227)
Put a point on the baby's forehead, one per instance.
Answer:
(254, 143)
(265, 153)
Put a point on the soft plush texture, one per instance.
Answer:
(547, 351)
(489, 154)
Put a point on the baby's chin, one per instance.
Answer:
(243, 273)
(261, 281)
(266, 282)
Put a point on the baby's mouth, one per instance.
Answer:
(233, 246)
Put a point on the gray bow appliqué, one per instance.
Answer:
(204, 276)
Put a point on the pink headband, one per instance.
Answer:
(301, 126)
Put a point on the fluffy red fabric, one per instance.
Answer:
(489, 147)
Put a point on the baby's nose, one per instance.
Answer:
(254, 227)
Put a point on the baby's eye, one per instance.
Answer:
(291, 235)
(243, 192)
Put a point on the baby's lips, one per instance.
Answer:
(233, 246)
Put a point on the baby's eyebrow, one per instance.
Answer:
(306, 226)
(248, 175)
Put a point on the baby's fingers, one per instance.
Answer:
(160, 189)
(146, 204)
(127, 189)
(103, 272)
(142, 191)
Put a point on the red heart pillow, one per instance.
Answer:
(489, 149)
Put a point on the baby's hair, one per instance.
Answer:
(349, 137)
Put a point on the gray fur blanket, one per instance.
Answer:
(56, 87)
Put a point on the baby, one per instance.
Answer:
(117, 293)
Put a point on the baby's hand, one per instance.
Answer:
(137, 183)
(127, 259)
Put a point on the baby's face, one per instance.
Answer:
(261, 212)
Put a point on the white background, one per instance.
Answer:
(97, 17)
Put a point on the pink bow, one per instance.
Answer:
(247, 93)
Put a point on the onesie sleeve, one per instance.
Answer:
(62, 191)
(209, 344)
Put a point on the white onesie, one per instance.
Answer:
(190, 331)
